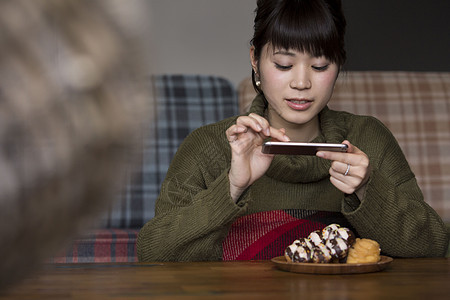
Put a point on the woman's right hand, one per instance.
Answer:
(248, 163)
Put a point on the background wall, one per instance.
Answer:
(212, 36)
(409, 35)
(202, 36)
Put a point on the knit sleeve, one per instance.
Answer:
(392, 210)
(194, 209)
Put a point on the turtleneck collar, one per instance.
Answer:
(301, 168)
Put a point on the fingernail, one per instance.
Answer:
(286, 138)
(267, 131)
(320, 154)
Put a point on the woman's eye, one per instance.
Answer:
(282, 67)
(320, 68)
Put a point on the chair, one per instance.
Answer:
(181, 104)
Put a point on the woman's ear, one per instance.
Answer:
(253, 59)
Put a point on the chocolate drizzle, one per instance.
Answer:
(322, 246)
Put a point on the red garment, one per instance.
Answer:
(266, 235)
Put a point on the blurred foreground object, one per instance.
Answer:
(72, 99)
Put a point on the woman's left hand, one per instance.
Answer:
(349, 171)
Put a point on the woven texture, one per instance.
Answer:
(104, 245)
(265, 235)
(182, 103)
(415, 107)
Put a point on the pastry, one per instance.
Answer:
(316, 237)
(333, 244)
(338, 247)
(321, 254)
(306, 242)
(299, 251)
(290, 250)
(302, 255)
(343, 233)
(364, 251)
(328, 230)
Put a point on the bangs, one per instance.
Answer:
(307, 26)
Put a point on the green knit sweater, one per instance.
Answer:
(194, 210)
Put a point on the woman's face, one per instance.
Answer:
(296, 85)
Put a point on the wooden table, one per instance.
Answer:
(403, 279)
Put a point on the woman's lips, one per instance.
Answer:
(299, 104)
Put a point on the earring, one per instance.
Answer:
(257, 81)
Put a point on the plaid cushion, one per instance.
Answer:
(104, 245)
(416, 108)
(181, 104)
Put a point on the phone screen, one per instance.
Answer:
(293, 148)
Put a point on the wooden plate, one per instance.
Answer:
(314, 268)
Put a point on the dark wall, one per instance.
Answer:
(409, 35)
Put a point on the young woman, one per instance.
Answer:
(224, 199)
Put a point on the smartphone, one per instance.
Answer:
(293, 148)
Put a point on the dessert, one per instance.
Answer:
(343, 233)
(328, 230)
(338, 247)
(332, 244)
(364, 251)
(316, 237)
(302, 254)
(298, 251)
(321, 254)
(306, 242)
(290, 250)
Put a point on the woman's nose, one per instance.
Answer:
(301, 81)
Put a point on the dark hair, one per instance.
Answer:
(313, 26)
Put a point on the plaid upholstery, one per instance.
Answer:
(103, 245)
(415, 107)
(181, 104)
